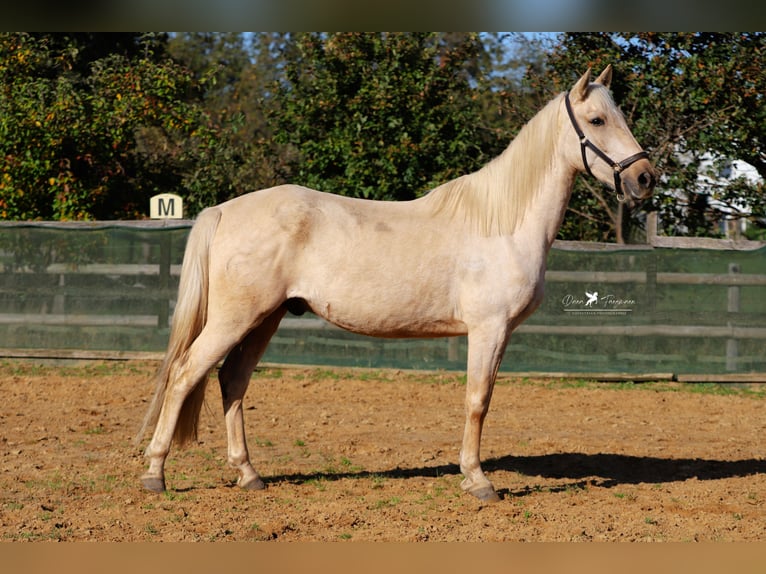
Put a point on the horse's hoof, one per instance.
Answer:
(153, 483)
(252, 484)
(486, 494)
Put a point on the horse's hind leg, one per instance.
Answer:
(234, 377)
(186, 377)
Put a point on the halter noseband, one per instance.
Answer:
(617, 167)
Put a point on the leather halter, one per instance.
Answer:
(617, 167)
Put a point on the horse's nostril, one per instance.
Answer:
(646, 179)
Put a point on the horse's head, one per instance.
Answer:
(601, 142)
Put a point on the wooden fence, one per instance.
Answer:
(44, 311)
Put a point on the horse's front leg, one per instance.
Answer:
(485, 351)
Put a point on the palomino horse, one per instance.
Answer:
(466, 258)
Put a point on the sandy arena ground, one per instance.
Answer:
(352, 455)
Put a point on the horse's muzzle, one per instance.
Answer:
(638, 182)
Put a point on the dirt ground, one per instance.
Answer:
(351, 455)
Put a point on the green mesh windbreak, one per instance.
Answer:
(88, 287)
(112, 287)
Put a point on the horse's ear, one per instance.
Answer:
(580, 89)
(605, 77)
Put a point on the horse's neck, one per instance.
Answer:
(548, 178)
(544, 216)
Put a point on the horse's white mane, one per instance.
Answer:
(494, 199)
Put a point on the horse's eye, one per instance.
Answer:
(597, 122)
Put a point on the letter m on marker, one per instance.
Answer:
(166, 206)
(168, 210)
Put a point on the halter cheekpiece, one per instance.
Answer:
(616, 166)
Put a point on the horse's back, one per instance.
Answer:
(305, 215)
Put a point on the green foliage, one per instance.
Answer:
(93, 124)
(381, 116)
(95, 139)
(238, 78)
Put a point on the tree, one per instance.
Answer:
(382, 115)
(93, 138)
(239, 73)
(685, 95)
(507, 103)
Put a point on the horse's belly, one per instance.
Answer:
(379, 316)
(402, 329)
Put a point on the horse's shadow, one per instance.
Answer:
(604, 470)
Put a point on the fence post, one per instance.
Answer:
(732, 346)
(59, 306)
(652, 223)
(651, 284)
(163, 316)
(453, 349)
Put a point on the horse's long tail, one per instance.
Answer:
(189, 318)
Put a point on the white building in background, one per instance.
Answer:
(718, 173)
(714, 173)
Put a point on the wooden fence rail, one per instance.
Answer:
(57, 283)
(733, 279)
(732, 333)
